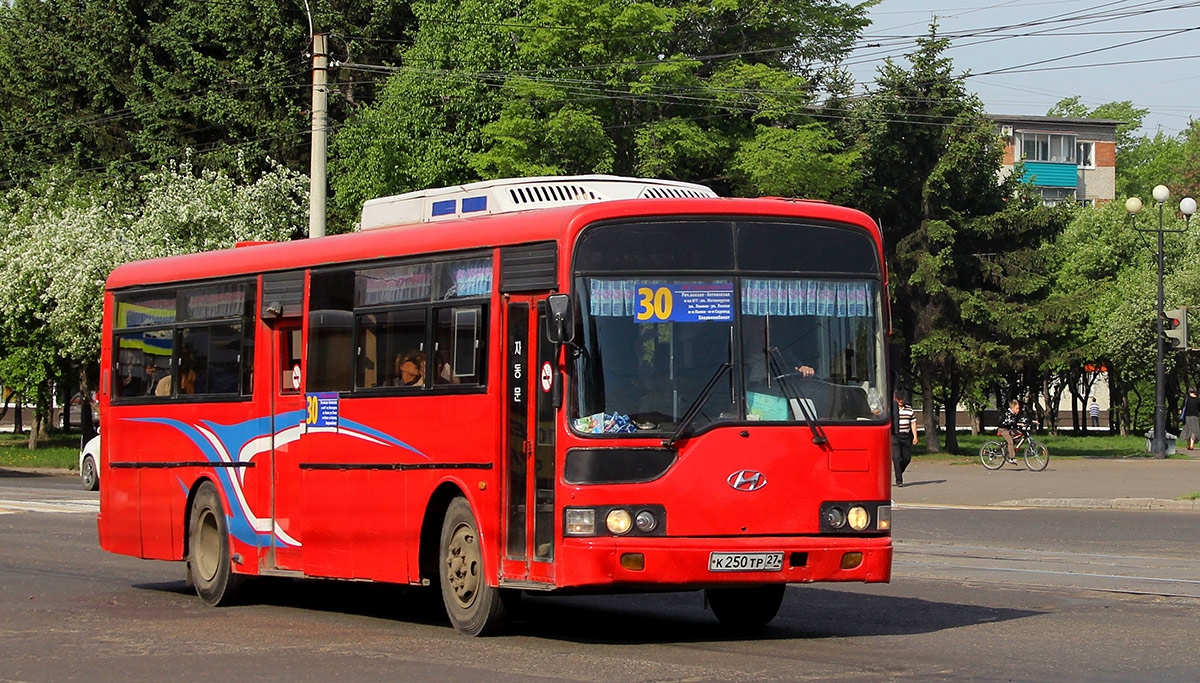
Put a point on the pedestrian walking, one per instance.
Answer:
(1094, 412)
(1191, 419)
(904, 436)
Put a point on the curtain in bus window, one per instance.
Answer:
(393, 284)
(144, 310)
(463, 278)
(798, 297)
(215, 302)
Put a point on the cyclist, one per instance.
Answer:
(1011, 426)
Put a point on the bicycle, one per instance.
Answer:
(994, 454)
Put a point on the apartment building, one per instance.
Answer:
(1066, 159)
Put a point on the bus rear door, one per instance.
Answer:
(280, 462)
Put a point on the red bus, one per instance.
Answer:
(590, 384)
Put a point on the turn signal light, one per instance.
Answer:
(634, 562)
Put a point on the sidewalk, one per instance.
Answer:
(1108, 483)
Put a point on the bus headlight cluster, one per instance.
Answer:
(853, 516)
(637, 520)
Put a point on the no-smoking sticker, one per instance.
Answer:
(295, 376)
(547, 377)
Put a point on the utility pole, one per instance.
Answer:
(320, 118)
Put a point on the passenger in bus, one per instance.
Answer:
(187, 372)
(187, 378)
(410, 369)
(152, 378)
(131, 384)
(444, 374)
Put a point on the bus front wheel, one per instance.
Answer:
(475, 608)
(209, 566)
(745, 608)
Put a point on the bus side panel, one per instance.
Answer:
(365, 487)
(119, 528)
(332, 500)
(160, 450)
(164, 500)
(353, 507)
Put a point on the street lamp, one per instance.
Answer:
(1187, 206)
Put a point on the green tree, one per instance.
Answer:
(682, 89)
(428, 119)
(122, 87)
(60, 240)
(962, 244)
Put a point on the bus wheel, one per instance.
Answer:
(474, 607)
(745, 608)
(208, 550)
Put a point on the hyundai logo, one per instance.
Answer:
(747, 480)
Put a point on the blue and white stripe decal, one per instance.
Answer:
(239, 443)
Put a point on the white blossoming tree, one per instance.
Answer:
(59, 242)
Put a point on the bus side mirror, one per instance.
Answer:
(560, 326)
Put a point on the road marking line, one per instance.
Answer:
(62, 506)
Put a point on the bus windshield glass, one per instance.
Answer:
(801, 346)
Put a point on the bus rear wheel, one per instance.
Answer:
(745, 608)
(474, 607)
(209, 566)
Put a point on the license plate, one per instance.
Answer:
(745, 562)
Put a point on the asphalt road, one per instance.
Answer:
(980, 592)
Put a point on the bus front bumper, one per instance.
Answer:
(693, 563)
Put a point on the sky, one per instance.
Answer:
(1026, 55)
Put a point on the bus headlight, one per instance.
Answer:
(580, 522)
(618, 521)
(859, 518)
(645, 521)
(835, 518)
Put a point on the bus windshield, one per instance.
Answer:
(800, 347)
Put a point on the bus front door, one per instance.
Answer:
(529, 468)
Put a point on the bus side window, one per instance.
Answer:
(385, 337)
(289, 359)
(330, 350)
(459, 346)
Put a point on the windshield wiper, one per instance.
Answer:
(797, 397)
(694, 409)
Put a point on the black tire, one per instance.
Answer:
(992, 454)
(1036, 456)
(88, 476)
(209, 565)
(745, 608)
(474, 607)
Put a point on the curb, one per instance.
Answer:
(1107, 503)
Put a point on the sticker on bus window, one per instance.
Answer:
(685, 303)
(322, 410)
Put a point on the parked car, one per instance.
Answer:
(89, 464)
